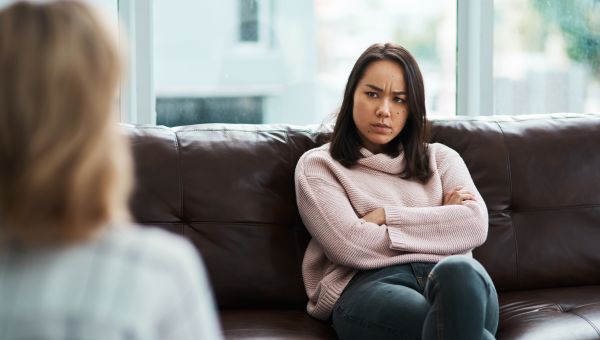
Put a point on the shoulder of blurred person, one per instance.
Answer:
(126, 281)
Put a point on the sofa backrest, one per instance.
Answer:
(230, 190)
(540, 179)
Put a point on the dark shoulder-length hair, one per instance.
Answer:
(345, 141)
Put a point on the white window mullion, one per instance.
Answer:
(475, 52)
(137, 88)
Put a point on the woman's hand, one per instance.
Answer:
(458, 196)
(376, 216)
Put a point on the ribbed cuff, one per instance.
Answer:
(392, 215)
(396, 238)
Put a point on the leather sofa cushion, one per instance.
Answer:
(273, 324)
(554, 314)
(560, 313)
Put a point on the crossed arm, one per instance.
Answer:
(457, 195)
(455, 227)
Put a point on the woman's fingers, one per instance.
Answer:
(458, 192)
(458, 196)
(467, 196)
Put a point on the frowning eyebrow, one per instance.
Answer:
(381, 90)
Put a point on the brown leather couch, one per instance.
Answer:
(230, 190)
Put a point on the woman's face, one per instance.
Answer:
(380, 104)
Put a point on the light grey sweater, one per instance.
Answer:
(127, 283)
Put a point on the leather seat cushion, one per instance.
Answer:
(273, 324)
(558, 313)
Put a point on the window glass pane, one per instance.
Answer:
(270, 61)
(546, 56)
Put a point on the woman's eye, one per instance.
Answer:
(371, 94)
(399, 100)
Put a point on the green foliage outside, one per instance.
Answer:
(579, 23)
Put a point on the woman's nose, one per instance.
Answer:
(383, 110)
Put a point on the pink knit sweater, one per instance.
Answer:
(332, 198)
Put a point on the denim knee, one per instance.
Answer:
(458, 269)
(462, 294)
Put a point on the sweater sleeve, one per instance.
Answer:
(444, 229)
(328, 215)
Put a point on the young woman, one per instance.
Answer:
(393, 219)
(71, 265)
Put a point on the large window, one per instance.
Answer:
(271, 61)
(276, 61)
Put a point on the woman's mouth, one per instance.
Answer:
(381, 128)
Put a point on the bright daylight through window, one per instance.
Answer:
(546, 56)
(270, 61)
(275, 61)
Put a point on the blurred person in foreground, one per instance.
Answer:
(71, 265)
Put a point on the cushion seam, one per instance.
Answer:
(588, 321)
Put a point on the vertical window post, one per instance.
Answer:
(137, 87)
(474, 59)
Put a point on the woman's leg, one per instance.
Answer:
(464, 302)
(382, 304)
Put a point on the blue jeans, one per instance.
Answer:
(453, 299)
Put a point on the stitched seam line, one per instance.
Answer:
(557, 208)
(297, 229)
(439, 323)
(178, 149)
(587, 320)
(510, 188)
(257, 130)
(589, 304)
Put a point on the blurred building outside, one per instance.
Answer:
(272, 61)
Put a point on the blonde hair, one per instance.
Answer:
(65, 169)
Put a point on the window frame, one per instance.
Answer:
(475, 58)
(137, 97)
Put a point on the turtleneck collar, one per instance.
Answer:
(382, 161)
